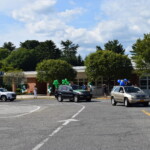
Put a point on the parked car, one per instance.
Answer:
(73, 93)
(129, 95)
(7, 95)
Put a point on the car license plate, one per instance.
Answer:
(142, 100)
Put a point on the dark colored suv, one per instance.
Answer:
(73, 93)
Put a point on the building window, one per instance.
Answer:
(145, 82)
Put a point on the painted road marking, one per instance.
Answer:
(23, 114)
(67, 121)
(59, 128)
(145, 112)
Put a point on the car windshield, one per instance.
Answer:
(76, 87)
(3, 90)
(132, 89)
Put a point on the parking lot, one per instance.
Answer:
(45, 124)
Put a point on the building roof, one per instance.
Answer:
(32, 74)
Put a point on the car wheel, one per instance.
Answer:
(113, 102)
(12, 100)
(88, 99)
(126, 102)
(4, 98)
(76, 99)
(59, 98)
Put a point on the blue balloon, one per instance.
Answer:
(125, 80)
(118, 81)
(122, 83)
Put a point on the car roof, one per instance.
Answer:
(124, 86)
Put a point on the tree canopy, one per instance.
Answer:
(4, 53)
(21, 59)
(29, 44)
(47, 50)
(50, 70)
(9, 45)
(14, 77)
(114, 46)
(141, 54)
(69, 51)
(107, 64)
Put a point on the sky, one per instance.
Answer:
(88, 23)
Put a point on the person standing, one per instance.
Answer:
(35, 91)
(105, 90)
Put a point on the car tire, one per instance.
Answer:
(76, 99)
(88, 99)
(3, 98)
(12, 100)
(126, 102)
(59, 98)
(113, 101)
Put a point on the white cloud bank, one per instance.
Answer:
(124, 20)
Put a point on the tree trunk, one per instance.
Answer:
(13, 87)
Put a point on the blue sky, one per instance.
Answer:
(85, 22)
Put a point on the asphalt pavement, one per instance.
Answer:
(45, 124)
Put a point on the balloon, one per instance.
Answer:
(122, 83)
(125, 80)
(65, 82)
(118, 81)
(56, 83)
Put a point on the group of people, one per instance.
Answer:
(105, 88)
(84, 87)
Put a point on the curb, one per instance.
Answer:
(28, 97)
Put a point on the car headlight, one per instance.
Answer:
(133, 97)
(80, 93)
(146, 96)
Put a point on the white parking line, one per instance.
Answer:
(58, 129)
(15, 116)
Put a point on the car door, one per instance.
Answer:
(115, 93)
(67, 93)
(121, 94)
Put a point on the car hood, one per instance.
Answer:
(135, 94)
(8, 92)
(80, 91)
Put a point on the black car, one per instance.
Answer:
(73, 93)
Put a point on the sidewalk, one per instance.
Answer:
(32, 97)
(22, 97)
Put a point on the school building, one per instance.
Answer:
(81, 78)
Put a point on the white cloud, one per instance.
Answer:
(69, 13)
(38, 10)
(125, 20)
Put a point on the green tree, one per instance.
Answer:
(80, 61)
(98, 48)
(4, 53)
(22, 59)
(69, 51)
(50, 70)
(9, 45)
(47, 50)
(114, 46)
(109, 65)
(14, 78)
(29, 44)
(141, 54)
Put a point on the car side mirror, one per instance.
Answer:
(121, 91)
